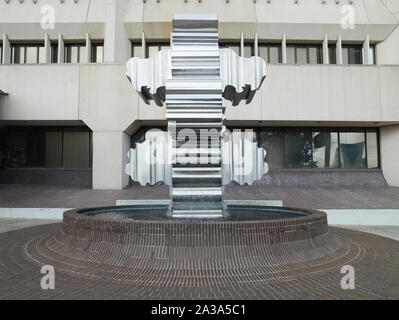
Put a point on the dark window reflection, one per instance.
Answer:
(298, 149)
(39, 147)
(325, 150)
(273, 143)
(352, 149)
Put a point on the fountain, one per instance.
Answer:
(196, 238)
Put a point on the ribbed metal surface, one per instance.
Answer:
(194, 108)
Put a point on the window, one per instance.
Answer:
(273, 142)
(298, 148)
(97, 52)
(1, 53)
(304, 54)
(53, 147)
(271, 53)
(27, 53)
(352, 148)
(151, 48)
(352, 54)
(54, 53)
(325, 149)
(75, 52)
(332, 53)
(309, 148)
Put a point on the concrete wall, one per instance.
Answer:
(101, 96)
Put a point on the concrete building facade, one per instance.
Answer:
(68, 112)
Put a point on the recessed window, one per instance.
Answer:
(75, 52)
(47, 147)
(271, 53)
(27, 53)
(304, 54)
(97, 52)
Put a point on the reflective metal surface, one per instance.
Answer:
(192, 78)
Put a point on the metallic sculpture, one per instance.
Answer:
(197, 157)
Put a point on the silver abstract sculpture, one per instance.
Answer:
(197, 157)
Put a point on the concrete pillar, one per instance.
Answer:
(242, 47)
(117, 46)
(47, 49)
(6, 50)
(256, 47)
(61, 49)
(339, 50)
(144, 46)
(109, 160)
(284, 48)
(366, 49)
(326, 58)
(389, 137)
(88, 49)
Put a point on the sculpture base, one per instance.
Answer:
(142, 245)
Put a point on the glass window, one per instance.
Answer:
(352, 150)
(75, 52)
(97, 53)
(25, 148)
(332, 54)
(352, 54)
(137, 51)
(274, 54)
(263, 53)
(76, 149)
(42, 55)
(54, 53)
(43, 147)
(273, 142)
(325, 149)
(53, 149)
(18, 54)
(30, 54)
(298, 149)
(291, 55)
(152, 50)
(301, 55)
(247, 51)
(1, 54)
(372, 149)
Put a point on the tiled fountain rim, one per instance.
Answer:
(311, 216)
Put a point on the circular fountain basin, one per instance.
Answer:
(145, 237)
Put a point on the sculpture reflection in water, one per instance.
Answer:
(197, 157)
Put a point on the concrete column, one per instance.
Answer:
(389, 137)
(88, 49)
(256, 45)
(109, 160)
(284, 48)
(117, 47)
(61, 49)
(47, 49)
(242, 48)
(366, 49)
(339, 50)
(144, 46)
(6, 50)
(326, 58)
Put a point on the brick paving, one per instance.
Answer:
(22, 252)
(313, 196)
